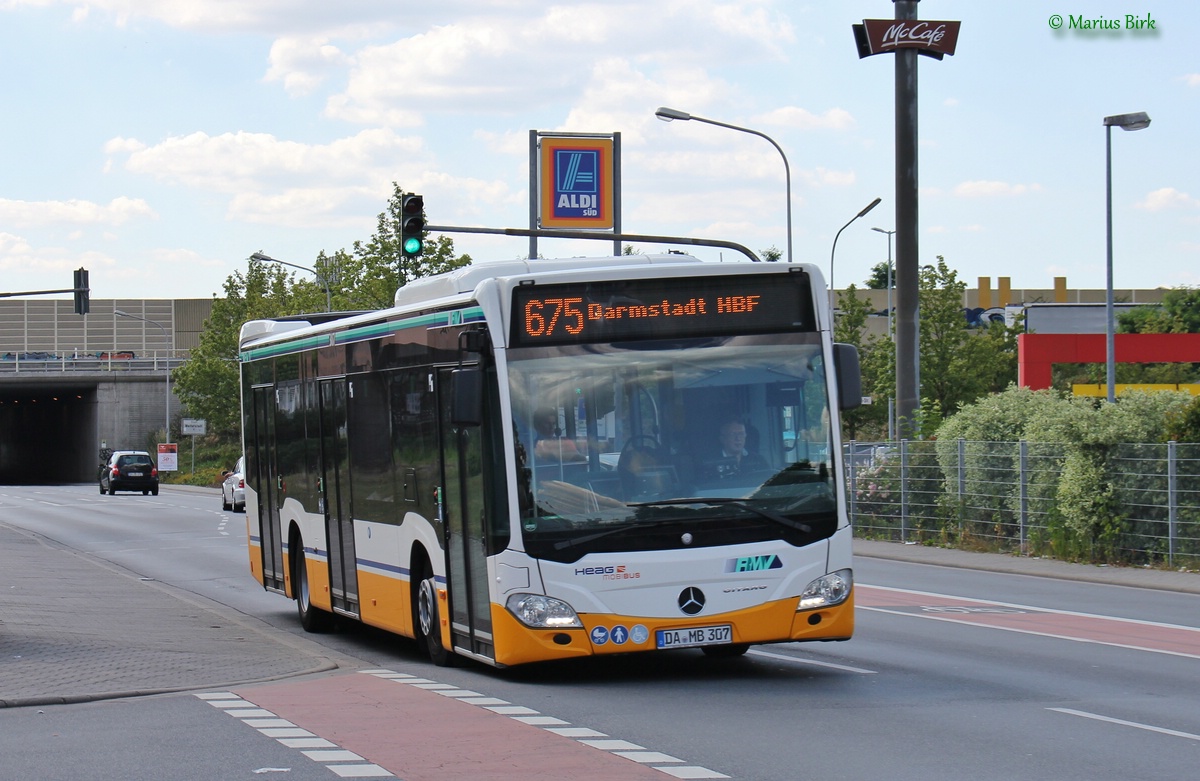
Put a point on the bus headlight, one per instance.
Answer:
(827, 590)
(539, 612)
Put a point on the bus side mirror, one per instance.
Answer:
(466, 397)
(849, 376)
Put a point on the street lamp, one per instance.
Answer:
(1136, 121)
(268, 259)
(670, 114)
(891, 399)
(167, 339)
(866, 209)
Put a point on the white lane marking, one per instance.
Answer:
(1029, 607)
(952, 619)
(585, 735)
(814, 662)
(1122, 722)
(315, 748)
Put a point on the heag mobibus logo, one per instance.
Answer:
(610, 572)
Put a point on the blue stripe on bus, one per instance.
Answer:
(472, 314)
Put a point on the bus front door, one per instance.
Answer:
(336, 498)
(462, 513)
(265, 477)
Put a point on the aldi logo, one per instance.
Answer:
(576, 183)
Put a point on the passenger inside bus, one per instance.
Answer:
(549, 443)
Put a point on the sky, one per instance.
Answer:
(158, 143)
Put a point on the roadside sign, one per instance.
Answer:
(576, 182)
(193, 426)
(168, 458)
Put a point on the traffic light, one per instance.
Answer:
(412, 225)
(83, 304)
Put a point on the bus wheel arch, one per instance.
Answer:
(426, 616)
(313, 619)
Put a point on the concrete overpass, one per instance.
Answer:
(71, 384)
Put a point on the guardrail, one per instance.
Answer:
(114, 361)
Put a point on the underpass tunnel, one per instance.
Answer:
(48, 433)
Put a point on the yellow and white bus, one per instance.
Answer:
(534, 460)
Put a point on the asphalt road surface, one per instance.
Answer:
(134, 644)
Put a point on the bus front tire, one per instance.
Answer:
(429, 633)
(313, 619)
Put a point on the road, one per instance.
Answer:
(953, 673)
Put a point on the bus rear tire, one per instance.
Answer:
(313, 619)
(428, 625)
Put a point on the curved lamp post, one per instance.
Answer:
(671, 114)
(862, 213)
(1136, 121)
(268, 259)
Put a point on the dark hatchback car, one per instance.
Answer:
(129, 470)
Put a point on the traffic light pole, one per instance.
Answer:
(543, 233)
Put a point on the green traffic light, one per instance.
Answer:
(412, 245)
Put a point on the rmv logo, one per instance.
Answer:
(753, 563)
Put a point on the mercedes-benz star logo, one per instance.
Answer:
(691, 600)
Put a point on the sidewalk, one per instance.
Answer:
(1138, 577)
(74, 628)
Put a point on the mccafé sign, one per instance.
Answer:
(879, 36)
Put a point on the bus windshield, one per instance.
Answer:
(650, 445)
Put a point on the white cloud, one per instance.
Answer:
(1167, 198)
(241, 162)
(987, 189)
(796, 118)
(74, 212)
(303, 64)
(19, 257)
(1192, 79)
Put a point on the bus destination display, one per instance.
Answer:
(660, 309)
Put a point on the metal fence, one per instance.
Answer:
(103, 361)
(1009, 496)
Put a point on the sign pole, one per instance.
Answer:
(906, 37)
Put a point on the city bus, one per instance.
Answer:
(530, 460)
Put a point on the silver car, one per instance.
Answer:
(233, 488)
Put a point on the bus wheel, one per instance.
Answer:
(429, 631)
(313, 619)
(725, 651)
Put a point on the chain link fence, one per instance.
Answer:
(1010, 496)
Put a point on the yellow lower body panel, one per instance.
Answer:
(774, 622)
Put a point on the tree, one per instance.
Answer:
(373, 271)
(877, 360)
(208, 383)
(771, 254)
(879, 277)
(366, 278)
(1179, 313)
(958, 364)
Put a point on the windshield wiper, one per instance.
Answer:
(741, 503)
(564, 544)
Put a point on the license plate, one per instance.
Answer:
(695, 636)
(134, 474)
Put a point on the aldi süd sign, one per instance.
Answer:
(576, 178)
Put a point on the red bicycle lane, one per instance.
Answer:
(1082, 627)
